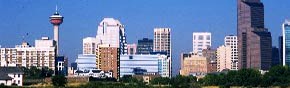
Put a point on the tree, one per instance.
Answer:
(277, 76)
(160, 80)
(59, 81)
(182, 81)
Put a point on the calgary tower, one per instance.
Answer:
(56, 19)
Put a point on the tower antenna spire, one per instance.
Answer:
(55, 8)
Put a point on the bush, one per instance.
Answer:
(59, 81)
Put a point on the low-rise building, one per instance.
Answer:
(194, 64)
(140, 64)
(11, 76)
(96, 73)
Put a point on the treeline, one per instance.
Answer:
(277, 76)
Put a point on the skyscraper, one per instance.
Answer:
(232, 42)
(280, 43)
(201, 40)
(56, 19)
(286, 42)
(254, 40)
(162, 40)
(145, 46)
(111, 31)
(162, 43)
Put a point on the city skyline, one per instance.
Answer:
(71, 32)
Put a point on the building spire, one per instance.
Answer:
(56, 10)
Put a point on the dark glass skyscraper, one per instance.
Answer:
(254, 40)
(145, 46)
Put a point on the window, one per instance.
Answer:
(208, 37)
(18, 75)
(200, 37)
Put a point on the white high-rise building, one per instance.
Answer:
(232, 42)
(111, 31)
(89, 45)
(285, 43)
(162, 40)
(162, 43)
(201, 40)
(224, 58)
(42, 55)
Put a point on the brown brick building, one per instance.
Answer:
(108, 59)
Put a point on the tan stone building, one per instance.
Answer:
(193, 64)
(108, 59)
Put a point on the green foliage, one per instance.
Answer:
(160, 80)
(59, 81)
(35, 73)
(183, 81)
(112, 85)
(277, 76)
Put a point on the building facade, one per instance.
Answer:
(132, 49)
(89, 45)
(193, 64)
(162, 40)
(108, 59)
(162, 43)
(254, 40)
(200, 41)
(143, 64)
(224, 60)
(286, 43)
(86, 62)
(145, 46)
(232, 42)
(42, 55)
(11, 76)
(111, 31)
(211, 55)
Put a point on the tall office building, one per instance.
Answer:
(24, 55)
(254, 40)
(162, 40)
(286, 43)
(145, 46)
(200, 41)
(275, 56)
(224, 60)
(162, 43)
(111, 31)
(89, 45)
(232, 42)
(280, 43)
(132, 49)
(56, 19)
(108, 59)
